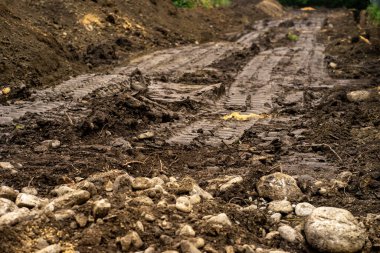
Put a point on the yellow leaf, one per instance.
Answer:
(244, 117)
(308, 9)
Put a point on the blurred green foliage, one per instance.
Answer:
(201, 3)
(359, 4)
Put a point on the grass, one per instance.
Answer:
(201, 3)
(374, 13)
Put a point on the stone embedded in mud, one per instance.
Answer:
(55, 248)
(188, 247)
(230, 184)
(186, 230)
(12, 218)
(278, 186)
(280, 206)
(77, 197)
(6, 206)
(101, 208)
(183, 204)
(304, 209)
(142, 183)
(220, 219)
(27, 200)
(330, 229)
(290, 234)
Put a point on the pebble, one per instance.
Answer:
(220, 219)
(68, 200)
(188, 247)
(275, 218)
(186, 230)
(6, 206)
(27, 200)
(55, 248)
(8, 193)
(279, 186)
(183, 204)
(290, 234)
(280, 206)
(304, 209)
(330, 229)
(101, 208)
(230, 184)
(141, 183)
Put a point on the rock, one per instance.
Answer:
(275, 218)
(62, 215)
(359, 95)
(101, 208)
(186, 230)
(122, 183)
(55, 248)
(197, 242)
(7, 167)
(29, 190)
(68, 200)
(304, 209)
(121, 143)
(132, 239)
(142, 200)
(220, 219)
(183, 204)
(15, 217)
(27, 200)
(290, 234)
(330, 229)
(230, 184)
(278, 186)
(8, 193)
(187, 247)
(141, 183)
(6, 206)
(280, 206)
(81, 219)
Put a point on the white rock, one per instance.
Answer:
(230, 184)
(278, 186)
(142, 183)
(183, 204)
(280, 206)
(55, 248)
(6, 206)
(68, 200)
(27, 200)
(275, 218)
(186, 230)
(220, 219)
(304, 209)
(290, 234)
(101, 208)
(330, 229)
(16, 216)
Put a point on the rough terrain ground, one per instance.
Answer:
(176, 117)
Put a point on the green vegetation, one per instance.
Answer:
(201, 3)
(359, 4)
(374, 13)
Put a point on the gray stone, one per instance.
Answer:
(290, 234)
(278, 186)
(8, 193)
(101, 208)
(280, 206)
(29, 201)
(183, 204)
(6, 206)
(330, 229)
(304, 209)
(55, 248)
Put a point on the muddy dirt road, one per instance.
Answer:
(167, 152)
